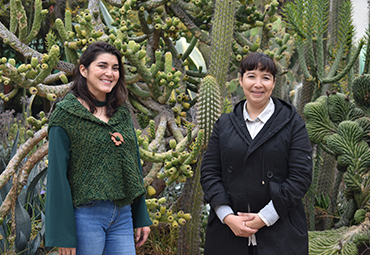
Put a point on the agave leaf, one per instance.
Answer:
(106, 16)
(15, 145)
(20, 242)
(33, 186)
(23, 227)
(35, 244)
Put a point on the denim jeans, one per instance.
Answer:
(104, 228)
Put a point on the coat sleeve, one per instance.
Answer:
(60, 226)
(288, 194)
(211, 171)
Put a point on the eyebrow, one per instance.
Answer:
(103, 62)
(252, 72)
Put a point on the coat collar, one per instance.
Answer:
(284, 112)
(71, 105)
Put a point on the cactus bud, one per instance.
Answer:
(29, 133)
(163, 209)
(175, 224)
(173, 143)
(182, 221)
(162, 200)
(33, 90)
(51, 97)
(151, 190)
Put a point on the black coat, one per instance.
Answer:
(276, 165)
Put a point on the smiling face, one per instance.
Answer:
(257, 86)
(101, 75)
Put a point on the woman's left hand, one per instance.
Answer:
(256, 223)
(141, 235)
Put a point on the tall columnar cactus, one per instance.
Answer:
(222, 38)
(209, 105)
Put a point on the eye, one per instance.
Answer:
(116, 68)
(101, 66)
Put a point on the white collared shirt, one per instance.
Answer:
(268, 214)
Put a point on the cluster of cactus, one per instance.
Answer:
(160, 213)
(344, 240)
(18, 21)
(84, 33)
(29, 75)
(341, 129)
(260, 27)
(180, 103)
(177, 159)
(247, 16)
(36, 124)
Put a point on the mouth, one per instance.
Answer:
(107, 81)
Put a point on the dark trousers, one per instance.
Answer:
(252, 250)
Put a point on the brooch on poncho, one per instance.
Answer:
(117, 138)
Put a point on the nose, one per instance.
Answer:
(258, 82)
(109, 72)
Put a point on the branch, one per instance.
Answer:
(22, 179)
(19, 156)
(27, 52)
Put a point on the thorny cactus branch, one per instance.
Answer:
(58, 91)
(160, 157)
(27, 52)
(21, 179)
(19, 156)
(175, 129)
(161, 129)
(151, 104)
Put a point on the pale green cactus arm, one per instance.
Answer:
(51, 63)
(143, 71)
(348, 66)
(38, 15)
(22, 20)
(13, 17)
(68, 20)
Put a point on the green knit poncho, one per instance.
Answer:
(98, 168)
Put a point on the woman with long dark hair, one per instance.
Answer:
(95, 190)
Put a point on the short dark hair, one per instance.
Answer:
(79, 88)
(258, 61)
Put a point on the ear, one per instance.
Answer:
(241, 80)
(83, 71)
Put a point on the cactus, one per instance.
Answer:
(209, 105)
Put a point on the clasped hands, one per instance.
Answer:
(244, 224)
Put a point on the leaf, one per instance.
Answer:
(23, 227)
(106, 16)
(15, 145)
(33, 180)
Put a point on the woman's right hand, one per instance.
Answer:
(237, 225)
(67, 251)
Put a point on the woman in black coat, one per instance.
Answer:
(256, 170)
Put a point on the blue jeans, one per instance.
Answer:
(104, 228)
